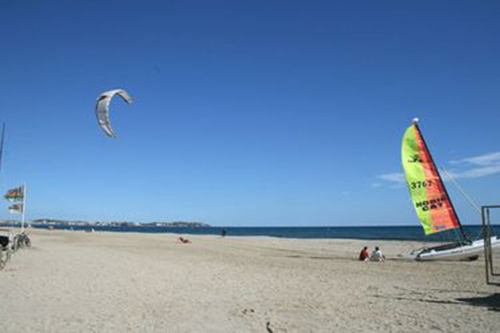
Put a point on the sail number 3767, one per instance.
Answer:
(421, 184)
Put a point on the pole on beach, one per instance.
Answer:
(488, 248)
(1, 145)
(1, 154)
(24, 208)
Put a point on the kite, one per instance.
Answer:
(102, 108)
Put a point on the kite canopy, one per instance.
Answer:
(102, 108)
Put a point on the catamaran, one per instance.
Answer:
(432, 202)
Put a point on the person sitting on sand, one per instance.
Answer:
(184, 240)
(377, 255)
(363, 255)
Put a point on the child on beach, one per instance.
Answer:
(377, 255)
(363, 255)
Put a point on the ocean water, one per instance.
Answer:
(375, 233)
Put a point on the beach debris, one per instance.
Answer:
(102, 108)
(245, 311)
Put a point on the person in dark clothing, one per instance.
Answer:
(364, 255)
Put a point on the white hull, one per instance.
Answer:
(460, 252)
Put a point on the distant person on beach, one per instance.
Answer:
(224, 232)
(364, 255)
(184, 240)
(377, 255)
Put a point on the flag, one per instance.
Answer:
(16, 209)
(15, 194)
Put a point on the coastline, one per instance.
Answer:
(402, 233)
(112, 281)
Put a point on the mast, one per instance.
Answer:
(24, 208)
(433, 164)
(1, 145)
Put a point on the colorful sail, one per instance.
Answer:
(430, 199)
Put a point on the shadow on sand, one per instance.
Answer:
(492, 302)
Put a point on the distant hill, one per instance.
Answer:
(48, 221)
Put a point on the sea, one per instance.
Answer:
(414, 233)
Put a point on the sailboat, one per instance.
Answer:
(432, 202)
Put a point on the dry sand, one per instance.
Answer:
(127, 282)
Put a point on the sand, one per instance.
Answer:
(73, 281)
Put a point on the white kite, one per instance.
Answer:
(102, 109)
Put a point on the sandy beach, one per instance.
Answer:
(128, 282)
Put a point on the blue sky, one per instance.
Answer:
(246, 113)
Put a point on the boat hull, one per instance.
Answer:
(458, 252)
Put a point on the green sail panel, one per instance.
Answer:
(430, 199)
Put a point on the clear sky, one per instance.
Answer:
(246, 113)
